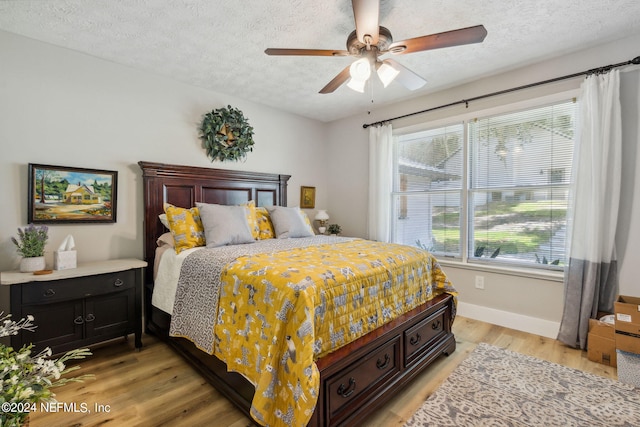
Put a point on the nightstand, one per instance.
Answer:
(97, 301)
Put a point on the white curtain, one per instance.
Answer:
(591, 282)
(380, 182)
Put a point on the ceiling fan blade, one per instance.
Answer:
(436, 41)
(367, 17)
(306, 52)
(337, 81)
(406, 77)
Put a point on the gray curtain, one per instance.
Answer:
(591, 280)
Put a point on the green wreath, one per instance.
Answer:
(226, 134)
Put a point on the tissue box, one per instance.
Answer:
(63, 260)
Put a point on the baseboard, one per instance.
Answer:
(532, 325)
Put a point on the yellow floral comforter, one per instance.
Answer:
(278, 312)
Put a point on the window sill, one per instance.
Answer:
(553, 276)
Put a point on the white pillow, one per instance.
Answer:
(224, 225)
(289, 222)
(164, 220)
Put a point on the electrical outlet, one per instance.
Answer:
(479, 282)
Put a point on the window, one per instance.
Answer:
(428, 189)
(492, 189)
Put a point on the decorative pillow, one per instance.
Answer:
(252, 218)
(289, 222)
(185, 226)
(265, 226)
(225, 225)
(306, 219)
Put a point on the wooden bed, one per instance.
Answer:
(357, 378)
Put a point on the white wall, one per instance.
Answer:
(628, 232)
(533, 303)
(61, 107)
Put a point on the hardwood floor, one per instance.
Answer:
(155, 387)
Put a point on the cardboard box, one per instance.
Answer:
(627, 309)
(628, 368)
(63, 260)
(601, 343)
(627, 318)
(628, 343)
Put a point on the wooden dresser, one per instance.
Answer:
(97, 301)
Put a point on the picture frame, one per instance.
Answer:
(307, 197)
(62, 194)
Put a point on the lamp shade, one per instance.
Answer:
(360, 69)
(387, 73)
(322, 215)
(357, 85)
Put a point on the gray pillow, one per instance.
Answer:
(225, 225)
(288, 222)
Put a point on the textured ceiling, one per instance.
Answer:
(220, 44)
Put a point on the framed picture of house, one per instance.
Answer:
(60, 194)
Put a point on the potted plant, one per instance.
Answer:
(27, 379)
(334, 229)
(30, 244)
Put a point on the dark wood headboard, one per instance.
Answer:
(183, 186)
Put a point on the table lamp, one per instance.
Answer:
(322, 216)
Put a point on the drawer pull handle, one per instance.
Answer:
(415, 340)
(118, 283)
(90, 318)
(49, 292)
(383, 364)
(78, 320)
(347, 391)
(436, 325)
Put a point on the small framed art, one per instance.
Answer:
(307, 197)
(60, 194)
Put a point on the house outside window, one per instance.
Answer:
(557, 175)
(493, 189)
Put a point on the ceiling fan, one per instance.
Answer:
(369, 41)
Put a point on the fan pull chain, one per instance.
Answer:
(370, 83)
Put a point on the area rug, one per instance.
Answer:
(497, 387)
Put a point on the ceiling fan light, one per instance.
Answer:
(387, 73)
(360, 69)
(357, 85)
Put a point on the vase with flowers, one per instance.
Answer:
(30, 244)
(26, 378)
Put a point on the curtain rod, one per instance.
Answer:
(599, 70)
